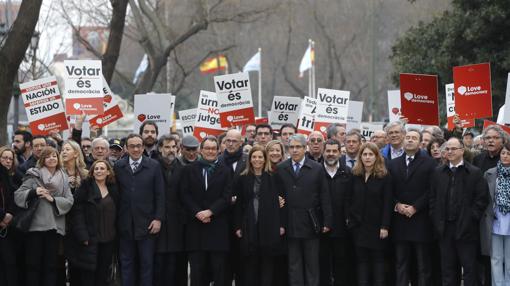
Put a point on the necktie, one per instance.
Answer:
(134, 166)
(352, 163)
(453, 169)
(296, 168)
(409, 160)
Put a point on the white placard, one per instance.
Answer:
(234, 99)
(307, 115)
(506, 114)
(188, 118)
(332, 106)
(355, 114)
(155, 107)
(450, 99)
(367, 129)
(394, 105)
(284, 110)
(208, 116)
(83, 91)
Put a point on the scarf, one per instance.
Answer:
(503, 188)
(231, 158)
(208, 165)
(54, 183)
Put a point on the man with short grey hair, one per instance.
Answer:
(336, 131)
(304, 186)
(395, 131)
(100, 151)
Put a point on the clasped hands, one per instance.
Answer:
(404, 209)
(204, 216)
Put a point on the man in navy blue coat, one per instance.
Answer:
(140, 211)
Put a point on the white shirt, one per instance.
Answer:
(407, 159)
(331, 172)
(459, 164)
(301, 163)
(131, 161)
(395, 153)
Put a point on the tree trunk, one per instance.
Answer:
(12, 54)
(112, 52)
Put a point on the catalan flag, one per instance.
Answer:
(214, 64)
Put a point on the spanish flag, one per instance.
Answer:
(215, 64)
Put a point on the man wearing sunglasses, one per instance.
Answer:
(315, 147)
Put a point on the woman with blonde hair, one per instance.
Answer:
(275, 152)
(258, 220)
(46, 186)
(73, 164)
(370, 214)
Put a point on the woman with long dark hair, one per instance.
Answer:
(47, 185)
(370, 214)
(92, 235)
(258, 220)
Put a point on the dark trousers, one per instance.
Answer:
(101, 275)
(303, 261)
(8, 259)
(455, 252)
(370, 266)
(335, 260)
(404, 256)
(281, 277)
(204, 262)
(41, 258)
(257, 270)
(129, 251)
(169, 268)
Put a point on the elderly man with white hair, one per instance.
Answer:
(100, 151)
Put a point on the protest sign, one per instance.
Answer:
(367, 129)
(208, 116)
(154, 107)
(418, 98)
(111, 109)
(234, 99)
(43, 104)
(284, 110)
(473, 98)
(354, 114)
(307, 115)
(332, 107)
(394, 105)
(450, 108)
(188, 118)
(83, 81)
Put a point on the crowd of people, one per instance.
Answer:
(270, 207)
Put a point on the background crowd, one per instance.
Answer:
(268, 207)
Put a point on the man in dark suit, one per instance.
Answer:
(459, 196)
(411, 225)
(206, 194)
(352, 146)
(336, 255)
(308, 203)
(140, 212)
(234, 160)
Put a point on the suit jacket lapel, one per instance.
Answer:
(198, 171)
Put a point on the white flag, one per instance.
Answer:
(144, 64)
(306, 61)
(253, 64)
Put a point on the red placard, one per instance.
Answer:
(418, 97)
(466, 123)
(487, 123)
(473, 98)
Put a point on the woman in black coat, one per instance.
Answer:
(90, 242)
(370, 214)
(8, 234)
(258, 220)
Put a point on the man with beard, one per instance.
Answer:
(189, 150)
(149, 133)
(206, 194)
(170, 261)
(116, 151)
(22, 145)
(411, 225)
(336, 247)
(315, 146)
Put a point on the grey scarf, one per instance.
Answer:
(54, 183)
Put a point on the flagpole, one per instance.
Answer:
(310, 72)
(313, 70)
(260, 83)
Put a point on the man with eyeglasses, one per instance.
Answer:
(263, 134)
(352, 146)
(459, 195)
(141, 209)
(189, 150)
(303, 184)
(315, 146)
